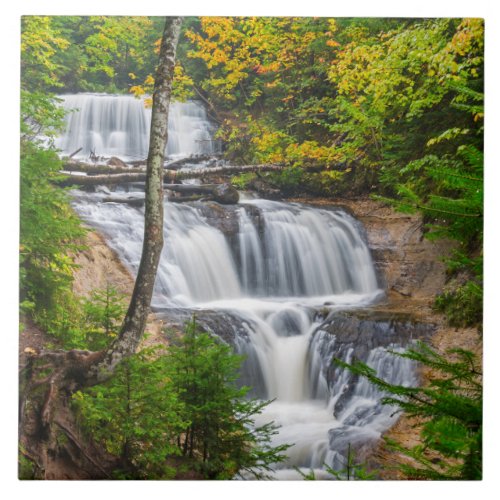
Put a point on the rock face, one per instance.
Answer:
(98, 267)
(413, 272)
(368, 329)
(222, 324)
(409, 264)
(359, 332)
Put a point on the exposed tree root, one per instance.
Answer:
(49, 435)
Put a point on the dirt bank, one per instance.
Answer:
(99, 266)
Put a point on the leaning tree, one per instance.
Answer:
(49, 435)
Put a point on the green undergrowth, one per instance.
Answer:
(462, 298)
(90, 323)
(242, 181)
(180, 405)
(462, 305)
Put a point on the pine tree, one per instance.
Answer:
(185, 402)
(135, 415)
(446, 186)
(450, 405)
(221, 440)
(103, 313)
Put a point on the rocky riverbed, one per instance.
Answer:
(413, 272)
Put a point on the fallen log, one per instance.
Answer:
(186, 199)
(135, 175)
(116, 165)
(92, 169)
(137, 163)
(176, 164)
(191, 188)
(133, 202)
(96, 180)
(230, 170)
(221, 193)
(139, 202)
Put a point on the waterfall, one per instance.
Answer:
(118, 125)
(278, 265)
(304, 253)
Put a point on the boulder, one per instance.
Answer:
(114, 161)
(226, 194)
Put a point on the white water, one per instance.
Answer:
(118, 125)
(271, 280)
(285, 262)
(315, 256)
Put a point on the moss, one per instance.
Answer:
(26, 468)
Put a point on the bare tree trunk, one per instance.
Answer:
(135, 319)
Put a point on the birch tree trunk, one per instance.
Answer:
(135, 320)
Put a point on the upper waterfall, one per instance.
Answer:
(118, 125)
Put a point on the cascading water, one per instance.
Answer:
(290, 259)
(286, 260)
(118, 125)
(274, 278)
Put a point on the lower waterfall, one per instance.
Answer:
(276, 275)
